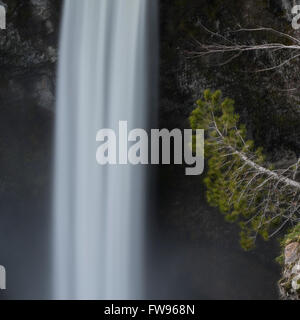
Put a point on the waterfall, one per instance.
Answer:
(105, 75)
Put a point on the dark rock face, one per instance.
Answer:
(28, 55)
(28, 52)
(264, 100)
(289, 285)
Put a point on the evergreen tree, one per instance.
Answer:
(239, 180)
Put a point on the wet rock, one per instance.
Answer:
(289, 285)
(291, 251)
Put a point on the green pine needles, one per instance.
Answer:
(240, 182)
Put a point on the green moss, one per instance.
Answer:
(280, 259)
(293, 235)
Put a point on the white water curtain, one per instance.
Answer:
(99, 211)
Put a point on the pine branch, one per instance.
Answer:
(262, 170)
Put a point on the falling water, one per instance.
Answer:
(106, 53)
